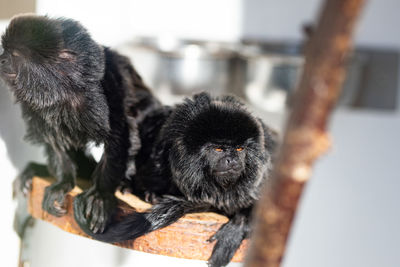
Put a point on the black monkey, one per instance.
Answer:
(73, 91)
(211, 155)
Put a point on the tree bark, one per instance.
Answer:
(186, 238)
(305, 137)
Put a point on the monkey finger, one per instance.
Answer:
(103, 220)
(89, 206)
(103, 227)
(56, 202)
(49, 206)
(212, 238)
(47, 202)
(97, 227)
(96, 210)
(93, 223)
(102, 216)
(26, 187)
(60, 204)
(93, 226)
(59, 209)
(98, 224)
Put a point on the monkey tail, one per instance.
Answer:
(134, 225)
(130, 227)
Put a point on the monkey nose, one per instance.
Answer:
(231, 163)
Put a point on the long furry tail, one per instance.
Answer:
(134, 225)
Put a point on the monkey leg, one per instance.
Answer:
(229, 237)
(86, 166)
(63, 168)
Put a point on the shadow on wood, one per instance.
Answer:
(187, 238)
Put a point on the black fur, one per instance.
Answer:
(73, 91)
(212, 155)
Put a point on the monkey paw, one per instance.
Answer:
(229, 238)
(54, 198)
(94, 209)
(152, 197)
(25, 181)
(221, 255)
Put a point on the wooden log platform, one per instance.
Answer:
(187, 238)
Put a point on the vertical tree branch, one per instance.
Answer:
(306, 137)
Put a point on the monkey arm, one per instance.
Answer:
(229, 237)
(99, 202)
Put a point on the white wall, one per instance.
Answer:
(349, 215)
(113, 22)
(269, 19)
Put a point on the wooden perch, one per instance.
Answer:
(187, 238)
(306, 137)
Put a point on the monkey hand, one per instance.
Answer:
(54, 198)
(31, 170)
(95, 209)
(152, 197)
(25, 181)
(228, 237)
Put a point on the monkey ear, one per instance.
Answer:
(67, 55)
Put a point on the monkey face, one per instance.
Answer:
(7, 66)
(226, 162)
(30, 82)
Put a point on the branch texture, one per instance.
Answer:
(305, 137)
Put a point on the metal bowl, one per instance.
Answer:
(264, 74)
(181, 68)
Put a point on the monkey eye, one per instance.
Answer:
(239, 149)
(218, 149)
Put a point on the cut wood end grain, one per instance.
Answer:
(187, 238)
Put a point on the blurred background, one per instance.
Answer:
(349, 214)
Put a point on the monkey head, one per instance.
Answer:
(47, 61)
(218, 143)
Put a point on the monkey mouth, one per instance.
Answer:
(10, 75)
(232, 173)
(226, 178)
